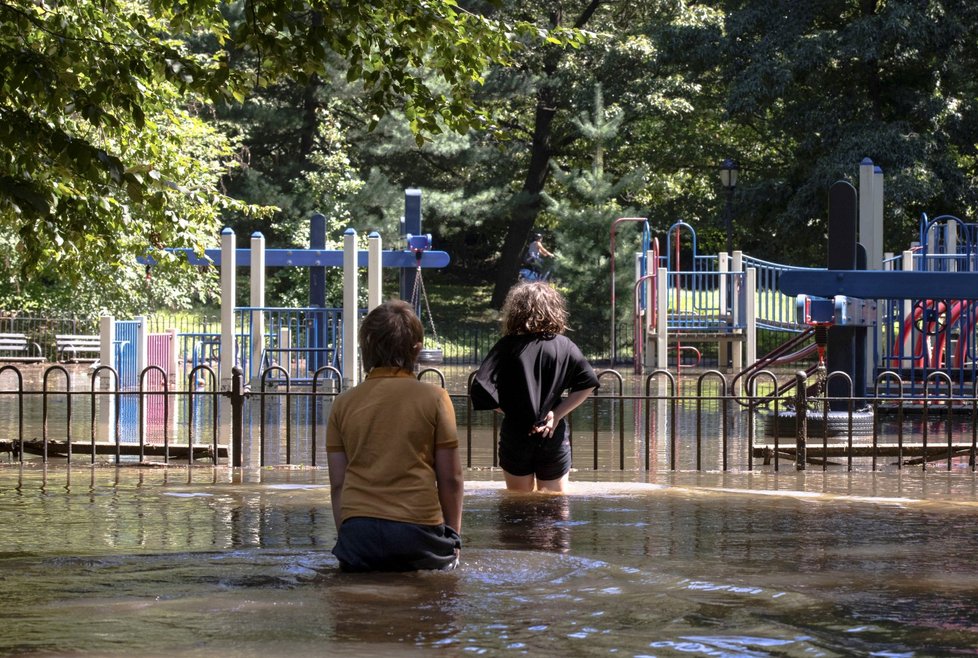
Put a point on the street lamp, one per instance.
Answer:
(728, 178)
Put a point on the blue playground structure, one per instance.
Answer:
(898, 325)
(302, 346)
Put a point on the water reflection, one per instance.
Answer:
(534, 521)
(394, 609)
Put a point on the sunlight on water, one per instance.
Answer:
(207, 561)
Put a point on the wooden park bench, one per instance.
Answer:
(17, 347)
(77, 348)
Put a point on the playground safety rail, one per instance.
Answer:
(775, 310)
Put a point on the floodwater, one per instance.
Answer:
(176, 561)
(208, 561)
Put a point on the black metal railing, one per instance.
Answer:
(694, 423)
(43, 329)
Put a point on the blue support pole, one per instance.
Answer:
(317, 338)
(312, 258)
(842, 254)
(317, 273)
(877, 284)
(411, 226)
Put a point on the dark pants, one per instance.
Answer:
(368, 544)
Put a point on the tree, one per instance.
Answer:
(95, 98)
(661, 126)
(824, 84)
(525, 205)
(96, 123)
(588, 200)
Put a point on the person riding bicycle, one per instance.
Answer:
(535, 252)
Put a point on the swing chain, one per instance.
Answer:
(817, 397)
(419, 287)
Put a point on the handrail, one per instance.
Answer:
(776, 356)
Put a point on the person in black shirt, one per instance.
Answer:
(524, 376)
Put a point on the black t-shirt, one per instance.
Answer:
(525, 376)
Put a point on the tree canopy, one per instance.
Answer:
(106, 148)
(134, 124)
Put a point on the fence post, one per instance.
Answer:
(256, 339)
(228, 283)
(106, 330)
(801, 420)
(142, 344)
(661, 320)
(749, 315)
(351, 310)
(237, 398)
(375, 271)
(173, 360)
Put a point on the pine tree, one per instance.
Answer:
(585, 204)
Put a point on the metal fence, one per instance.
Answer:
(42, 329)
(660, 422)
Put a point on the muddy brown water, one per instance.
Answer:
(205, 561)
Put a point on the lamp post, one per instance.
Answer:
(728, 178)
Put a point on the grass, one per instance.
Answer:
(460, 304)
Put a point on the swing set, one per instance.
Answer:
(433, 355)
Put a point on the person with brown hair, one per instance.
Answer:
(524, 376)
(392, 450)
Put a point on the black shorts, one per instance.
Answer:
(547, 459)
(369, 544)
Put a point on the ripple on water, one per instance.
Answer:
(500, 601)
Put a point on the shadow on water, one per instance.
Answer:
(208, 561)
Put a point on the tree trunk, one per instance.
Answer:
(310, 118)
(526, 204)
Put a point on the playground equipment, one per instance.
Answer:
(683, 298)
(936, 333)
(420, 244)
(318, 340)
(912, 317)
(712, 301)
(711, 304)
(728, 297)
(641, 311)
(928, 320)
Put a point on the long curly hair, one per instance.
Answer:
(534, 307)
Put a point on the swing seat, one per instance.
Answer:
(431, 356)
(428, 356)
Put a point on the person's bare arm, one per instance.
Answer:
(336, 462)
(448, 473)
(573, 400)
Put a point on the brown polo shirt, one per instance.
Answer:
(389, 427)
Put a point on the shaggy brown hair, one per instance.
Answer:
(390, 336)
(534, 307)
